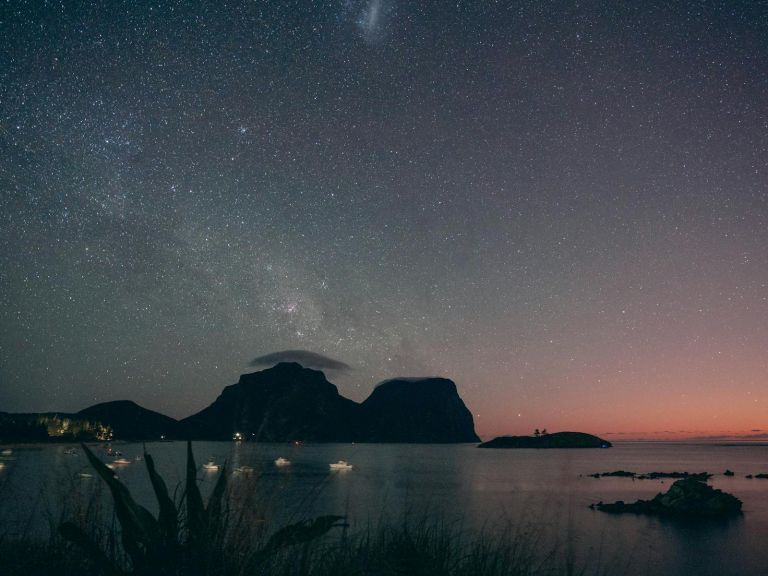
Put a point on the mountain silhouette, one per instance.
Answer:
(282, 403)
(427, 410)
(129, 421)
(290, 402)
(286, 402)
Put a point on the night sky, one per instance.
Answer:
(562, 206)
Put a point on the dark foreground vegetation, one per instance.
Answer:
(416, 550)
(230, 534)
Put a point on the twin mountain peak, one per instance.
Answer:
(289, 402)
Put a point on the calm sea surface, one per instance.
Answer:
(543, 492)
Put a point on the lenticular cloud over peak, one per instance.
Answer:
(304, 357)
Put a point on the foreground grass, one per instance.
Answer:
(231, 535)
(422, 549)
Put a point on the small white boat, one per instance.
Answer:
(211, 466)
(282, 462)
(85, 475)
(70, 451)
(341, 465)
(121, 461)
(6, 452)
(244, 469)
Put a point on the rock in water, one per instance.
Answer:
(689, 497)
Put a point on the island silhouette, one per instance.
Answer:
(286, 402)
(554, 440)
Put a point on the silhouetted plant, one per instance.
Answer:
(164, 545)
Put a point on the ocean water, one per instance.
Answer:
(545, 493)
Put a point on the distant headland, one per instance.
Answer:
(554, 440)
(286, 402)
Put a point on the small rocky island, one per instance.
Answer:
(687, 498)
(654, 475)
(555, 440)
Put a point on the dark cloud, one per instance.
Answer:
(304, 357)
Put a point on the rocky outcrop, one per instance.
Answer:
(654, 475)
(614, 474)
(689, 497)
(427, 410)
(555, 440)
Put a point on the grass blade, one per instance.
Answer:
(195, 508)
(168, 517)
(214, 508)
(140, 530)
(77, 536)
(302, 532)
(133, 517)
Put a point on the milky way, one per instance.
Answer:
(562, 207)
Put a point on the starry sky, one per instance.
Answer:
(562, 206)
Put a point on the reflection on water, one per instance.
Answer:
(546, 492)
